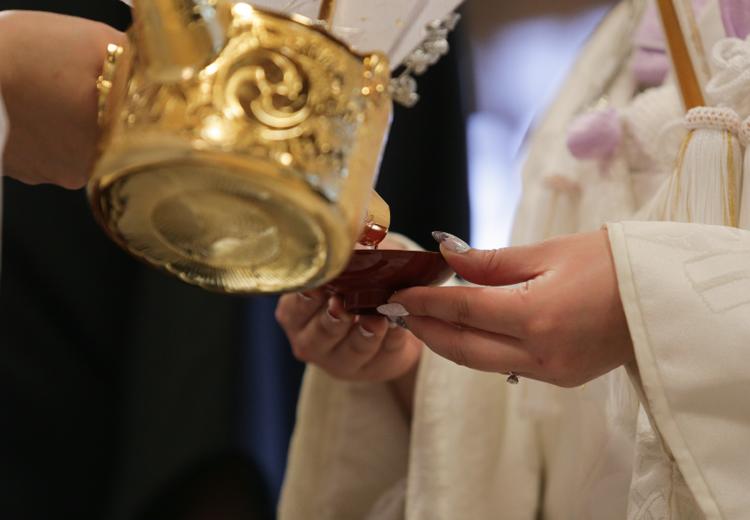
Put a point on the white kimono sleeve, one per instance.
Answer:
(686, 293)
(349, 450)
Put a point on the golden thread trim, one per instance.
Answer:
(732, 175)
(677, 175)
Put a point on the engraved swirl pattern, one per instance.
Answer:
(270, 88)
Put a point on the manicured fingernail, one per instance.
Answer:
(395, 322)
(304, 296)
(333, 315)
(366, 333)
(393, 310)
(451, 242)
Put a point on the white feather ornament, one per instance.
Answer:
(396, 27)
(412, 33)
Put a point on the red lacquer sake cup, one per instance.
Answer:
(373, 275)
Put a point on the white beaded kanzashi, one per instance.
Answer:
(713, 118)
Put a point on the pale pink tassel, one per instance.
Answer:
(596, 138)
(595, 135)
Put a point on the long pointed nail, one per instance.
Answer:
(451, 242)
(396, 322)
(393, 310)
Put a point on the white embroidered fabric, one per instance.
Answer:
(692, 359)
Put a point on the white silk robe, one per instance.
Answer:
(666, 438)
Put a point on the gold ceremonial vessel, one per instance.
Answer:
(239, 146)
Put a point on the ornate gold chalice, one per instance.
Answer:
(239, 146)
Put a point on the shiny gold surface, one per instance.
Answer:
(243, 165)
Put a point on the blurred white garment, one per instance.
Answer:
(517, 73)
(670, 442)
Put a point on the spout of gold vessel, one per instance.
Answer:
(177, 37)
(377, 221)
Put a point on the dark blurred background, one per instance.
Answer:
(127, 395)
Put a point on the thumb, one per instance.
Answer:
(504, 266)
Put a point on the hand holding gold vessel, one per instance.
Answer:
(47, 75)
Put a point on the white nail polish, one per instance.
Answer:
(395, 322)
(393, 310)
(366, 333)
(451, 242)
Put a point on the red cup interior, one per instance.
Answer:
(373, 275)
